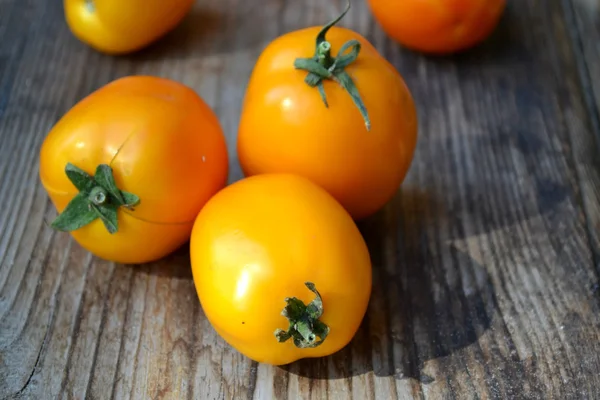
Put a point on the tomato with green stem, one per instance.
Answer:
(281, 270)
(129, 167)
(347, 122)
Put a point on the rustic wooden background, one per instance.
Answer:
(485, 264)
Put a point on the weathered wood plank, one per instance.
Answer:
(583, 18)
(485, 278)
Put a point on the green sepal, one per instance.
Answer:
(108, 215)
(104, 178)
(130, 199)
(343, 59)
(315, 307)
(346, 82)
(79, 178)
(322, 93)
(98, 197)
(304, 324)
(313, 80)
(313, 66)
(77, 214)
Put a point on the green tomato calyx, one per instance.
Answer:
(323, 66)
(98, 197)
(304, 324)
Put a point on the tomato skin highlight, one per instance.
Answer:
(286, 128)
(438, 26)
(120, 27)
(257, 242)
(164, 145)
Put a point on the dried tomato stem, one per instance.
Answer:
(304, 324)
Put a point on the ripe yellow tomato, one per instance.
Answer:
(438, 26)
(348, 123)
(123, 26)
(130, 166)
(276, 241)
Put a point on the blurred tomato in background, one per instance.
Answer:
(438, 26)
(123, 26)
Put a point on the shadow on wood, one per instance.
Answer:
(199, 35)
(192, 35)
(429, 299)
(505, 44)
(176, 265)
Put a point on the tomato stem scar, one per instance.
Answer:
(323, 66)
(304, 324)
(98, 197)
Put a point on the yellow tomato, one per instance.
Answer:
(130, 166)
(123, 26)
(350, 125)
(276, 241)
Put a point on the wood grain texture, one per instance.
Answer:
(486, 263)
(584, 19)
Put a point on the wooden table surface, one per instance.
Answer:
(486, 263)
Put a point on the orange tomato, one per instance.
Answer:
(350, 125)
(130, 166)
(276, 241)
(123, 26)
(438, 26)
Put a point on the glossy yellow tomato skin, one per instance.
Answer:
(123, 26)
(438, 26)
(257, 242)
(285, 126)
(164, 145)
